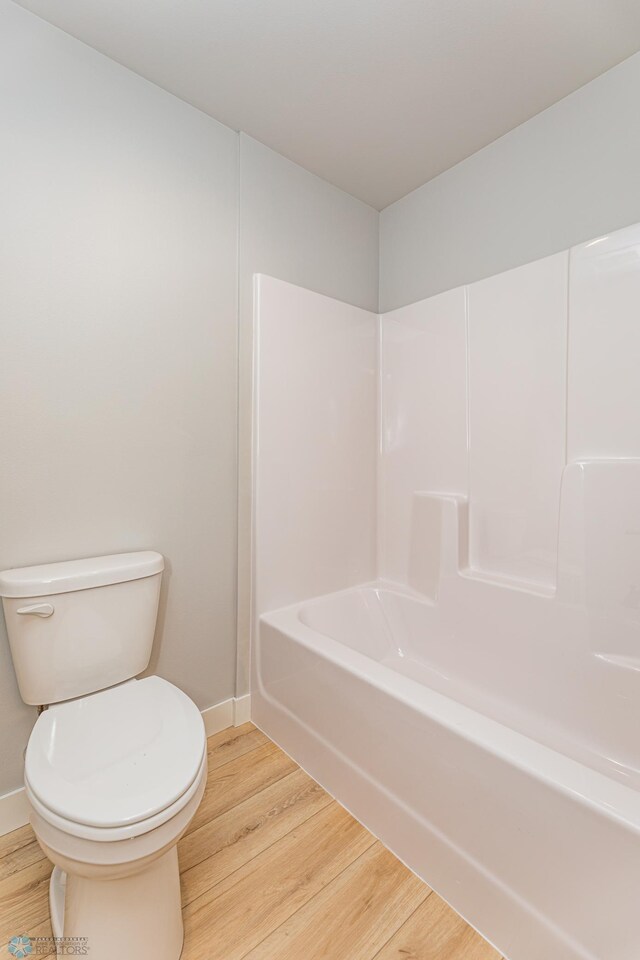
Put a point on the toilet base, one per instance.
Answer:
(138, 915)
(57, 890)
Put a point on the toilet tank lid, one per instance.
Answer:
(51, 578)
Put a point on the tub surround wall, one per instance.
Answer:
(423, 371)
(551, 354)
(604, 348)
(517, 325)
(315, 479)
(493, 393)
(473, 404)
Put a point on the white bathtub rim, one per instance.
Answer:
(607, 797)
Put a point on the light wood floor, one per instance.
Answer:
(272, 869)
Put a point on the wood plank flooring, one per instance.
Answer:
(272, 869)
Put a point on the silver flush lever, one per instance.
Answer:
(37, 609)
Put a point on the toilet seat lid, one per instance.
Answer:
(116, 757)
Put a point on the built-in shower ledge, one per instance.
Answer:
(534, 587)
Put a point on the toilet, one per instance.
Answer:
(115, 767)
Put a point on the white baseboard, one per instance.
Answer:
(241, 710)
(14, 808)
(14, 811)
(229, 713)
(218, 717)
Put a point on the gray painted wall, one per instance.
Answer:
(566, 176)
(295, 227)
(118, 293)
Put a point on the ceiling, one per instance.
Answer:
(376, 96)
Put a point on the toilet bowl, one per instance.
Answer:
(114, 773)
(113, 780)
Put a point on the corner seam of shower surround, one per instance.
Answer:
(379, 447)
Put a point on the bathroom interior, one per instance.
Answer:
(320, 485)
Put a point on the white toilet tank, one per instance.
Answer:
(83, 625)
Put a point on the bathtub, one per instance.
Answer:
(503, 772)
